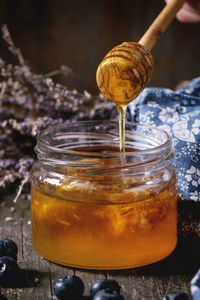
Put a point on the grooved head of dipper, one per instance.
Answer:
(124, 72)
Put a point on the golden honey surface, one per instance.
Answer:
(124, 72)
(103, 223)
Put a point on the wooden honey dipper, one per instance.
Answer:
(127, 68)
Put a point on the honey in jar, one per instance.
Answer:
(95, 207)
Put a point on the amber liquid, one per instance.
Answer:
(122, 119)
(103, 224)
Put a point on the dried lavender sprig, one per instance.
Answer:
(15, 51)
(27, 127)
(44, 90)
(29, 103)
(15, 171)
(44, 95)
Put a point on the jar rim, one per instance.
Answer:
(42, 143)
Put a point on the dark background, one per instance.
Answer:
(78, 33)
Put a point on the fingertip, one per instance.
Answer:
(188, 17)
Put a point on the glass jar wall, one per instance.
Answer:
(97, 208)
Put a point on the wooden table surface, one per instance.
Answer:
(147, 283)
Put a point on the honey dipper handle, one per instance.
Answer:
(160, 24)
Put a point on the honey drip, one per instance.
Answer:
(122, 75)
(122, 119)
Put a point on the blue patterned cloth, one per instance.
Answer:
(178, 113)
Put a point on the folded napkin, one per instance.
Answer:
(178, 113)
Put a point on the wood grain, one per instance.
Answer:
(124, 72)
(161, 23)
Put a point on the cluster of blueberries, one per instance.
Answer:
(8, 263)
(72, 287)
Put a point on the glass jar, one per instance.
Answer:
(97, 208)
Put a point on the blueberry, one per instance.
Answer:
(102, 284)
(107, 294)
(8, 248)
(8, 270)
(2, 297)
(176, 295)
(195, 286)
(69, 287)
